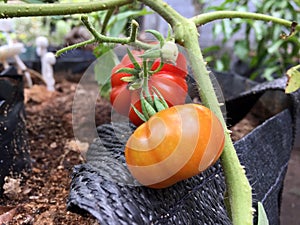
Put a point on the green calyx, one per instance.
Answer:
(150, 104)
(167, 50)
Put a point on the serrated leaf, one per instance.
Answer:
(293, 83)
(262, 216)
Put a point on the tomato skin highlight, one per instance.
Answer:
(174, 144)
(170, 81)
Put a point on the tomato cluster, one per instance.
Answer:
(176, 142)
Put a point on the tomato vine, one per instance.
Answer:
(185, 32)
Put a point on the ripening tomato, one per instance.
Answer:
(170, 81)
(174, 144)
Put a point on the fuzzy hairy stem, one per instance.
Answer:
(100, 38)
(164, 10)
(25, 10)
(78, 45)
(185, 30)
(212, 16)
(239, 199)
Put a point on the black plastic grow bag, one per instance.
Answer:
(199, 200)
(14, 153)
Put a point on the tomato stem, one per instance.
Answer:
(100, 38)
(185, 30)
(240, 199)
(145, 88)
(224, 14)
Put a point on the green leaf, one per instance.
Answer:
(149, 108)
(103, 67)
(260, 29)
(139, 114)
(102, 48)
(209, 49)
(105, 90)
(217, 30)
(268, 72)
(158, 36)
(241, 49)
(143, 105)
(293, 79)
(131, 13)
(118, 22)
(157, 103)
(118, 27)
(219, 65)
(151, 54)
(133, 60)
(160, 97)
(131, 71)
(262, 216)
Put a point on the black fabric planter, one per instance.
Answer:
(14, 156)
(199, 200)
(75, 61)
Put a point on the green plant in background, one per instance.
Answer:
(27, 29)
(264, 48)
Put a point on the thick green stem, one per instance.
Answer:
(212, 16)
(22, 10)
(164, 10)
(237, 184)
(238, 187)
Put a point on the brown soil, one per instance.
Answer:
(40, 197)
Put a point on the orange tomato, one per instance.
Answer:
(174, 144)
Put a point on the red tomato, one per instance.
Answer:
(174, 144)
(169, 81)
